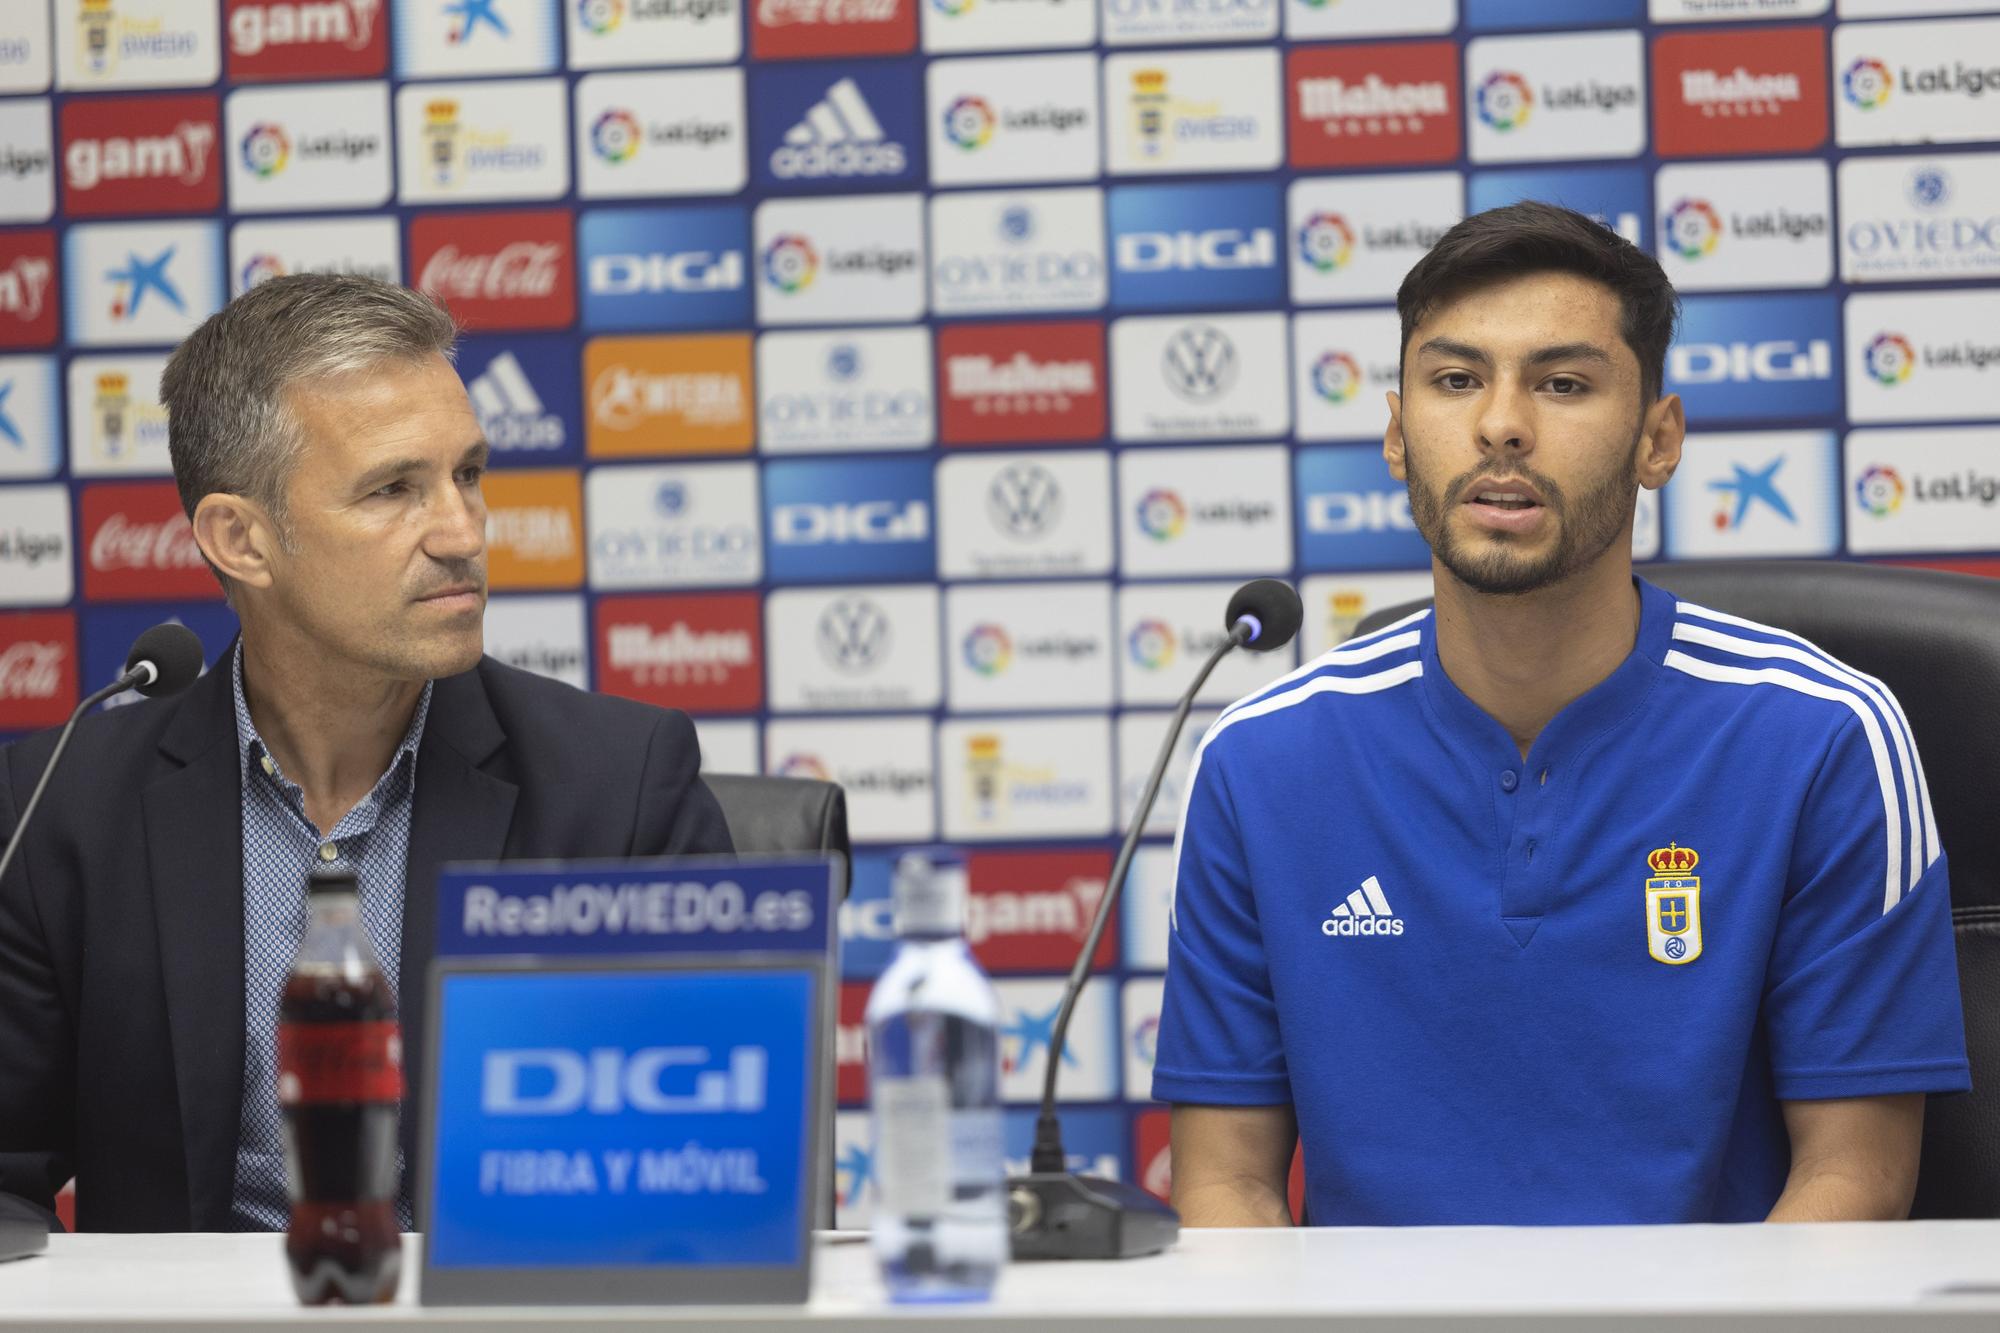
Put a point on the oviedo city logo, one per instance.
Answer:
(1888, 359)
(1505, 100)
(1692, 228)
(1879, 490)
(1326, 242)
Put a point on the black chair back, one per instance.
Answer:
(1934, 640)
(784, 815)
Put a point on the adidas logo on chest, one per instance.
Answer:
(1366, 912)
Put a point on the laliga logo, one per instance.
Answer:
(262, 268)
(266, 150)
(1867, 83)
(1889, 359)
(790, 263)
(1151, 644)
(600, 16)
(1693, 228)
(968, 122)
(607, 1081)
(1326, 242)
(1336, 377)
(615, 135)
(804, 766)
(1161, 514)
(988, 650)
(953, 8)
(1880, 491)
(1505, 100)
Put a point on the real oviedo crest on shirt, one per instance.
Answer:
(1673, 905)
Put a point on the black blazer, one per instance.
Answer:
(121, 921)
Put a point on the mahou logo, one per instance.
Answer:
(1005, 383)
(1395, 103)
(701, 653)
(1729, 93)
(499, 270)
(138, 546)
(816, 29)
(307, 39)
(141, 155)
(37, 669)
(28, 302)
(1030, 911)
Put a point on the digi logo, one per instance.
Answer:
(607, 1081)
(1888, 359)
(1505, 100)
(1866, 83)
(1693, 228)
(1880, 491)
(1326, 242)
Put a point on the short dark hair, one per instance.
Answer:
(1534, 237)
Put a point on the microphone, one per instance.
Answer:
(1051, 1213)
(164, 660)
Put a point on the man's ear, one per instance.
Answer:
(237, 536)
(1392, 438)
(1660, 438)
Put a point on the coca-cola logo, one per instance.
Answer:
(777, 13)
(499, 270)
(522, 270)
(790, 29)
(32, 669)
(125, 544)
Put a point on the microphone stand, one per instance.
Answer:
(145, 673)
(1055, 1215)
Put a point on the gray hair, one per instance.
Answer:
(229, 427)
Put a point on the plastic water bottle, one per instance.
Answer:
(940, 1229)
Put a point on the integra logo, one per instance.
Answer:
(551, 1081)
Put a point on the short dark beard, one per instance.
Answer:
(1585, 529)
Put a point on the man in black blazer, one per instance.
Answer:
(330, 464)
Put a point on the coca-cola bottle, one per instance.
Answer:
(340, 1077)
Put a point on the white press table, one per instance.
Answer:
(1933, 1276)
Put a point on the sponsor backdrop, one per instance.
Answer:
(900, 386)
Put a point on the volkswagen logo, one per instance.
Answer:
(1023, 500)
(1199, 363)
(853, 634)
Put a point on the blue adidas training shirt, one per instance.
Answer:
(1570, 989)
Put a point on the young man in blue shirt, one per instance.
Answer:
(1563, 902)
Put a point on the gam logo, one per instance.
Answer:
(551, 1081)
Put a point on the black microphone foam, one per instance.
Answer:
(1274, 610)
(176, 656)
